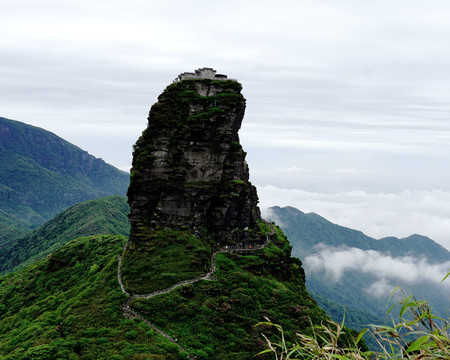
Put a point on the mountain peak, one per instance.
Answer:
(189, 168)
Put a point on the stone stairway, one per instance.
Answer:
(130, 313)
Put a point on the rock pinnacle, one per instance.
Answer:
(189, 169)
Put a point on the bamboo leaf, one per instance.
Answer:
(406, 304)
(263, 352)
(360, 335)
(389, 300)
(416, 345)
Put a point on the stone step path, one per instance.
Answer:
(119, 275)
(130, 313)
(134, 314)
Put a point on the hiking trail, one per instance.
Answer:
(132, 314)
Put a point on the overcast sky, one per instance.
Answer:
(348, 101)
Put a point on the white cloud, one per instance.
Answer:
(387, 269)
(351, 171)
(292, 170)
(270, 215)
(380, 288)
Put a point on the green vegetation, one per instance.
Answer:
(228, 84)
(67, 306)
(101, 216)
(42, 174)
(179, 97)
(11, 228)
(305, 231)
(214, 319)
(166, 258)
(416, 334)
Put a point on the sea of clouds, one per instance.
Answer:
(387, 270)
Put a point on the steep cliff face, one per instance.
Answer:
(189, 168)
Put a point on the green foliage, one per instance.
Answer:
(417, 334)
(305, 231)
(228, 84)
(101, 216)
(328, 341)
(166, 258)
(68, 306)
(12, 228)
(59, 308)
(220, 314)
(264, 227)
(42, 174)
(175, 101)
(238, 182)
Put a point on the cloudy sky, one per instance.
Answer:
(348, 101)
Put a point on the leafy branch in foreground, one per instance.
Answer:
(418, 334)
(328, 341)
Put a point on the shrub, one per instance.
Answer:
(417, 334)
(132, 334)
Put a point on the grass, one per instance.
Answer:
(416, 334)
(214, 319)
(166, 258)
(67, 306)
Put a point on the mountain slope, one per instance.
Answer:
(414, 245)
(42, 174)
(70, 306)
(338, 274)
(100, 216)
(215, 318)
(306, 231)
(11, 228)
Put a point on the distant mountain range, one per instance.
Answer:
(306, 231)
(106, 215)
(352, 273)
(41, 174)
